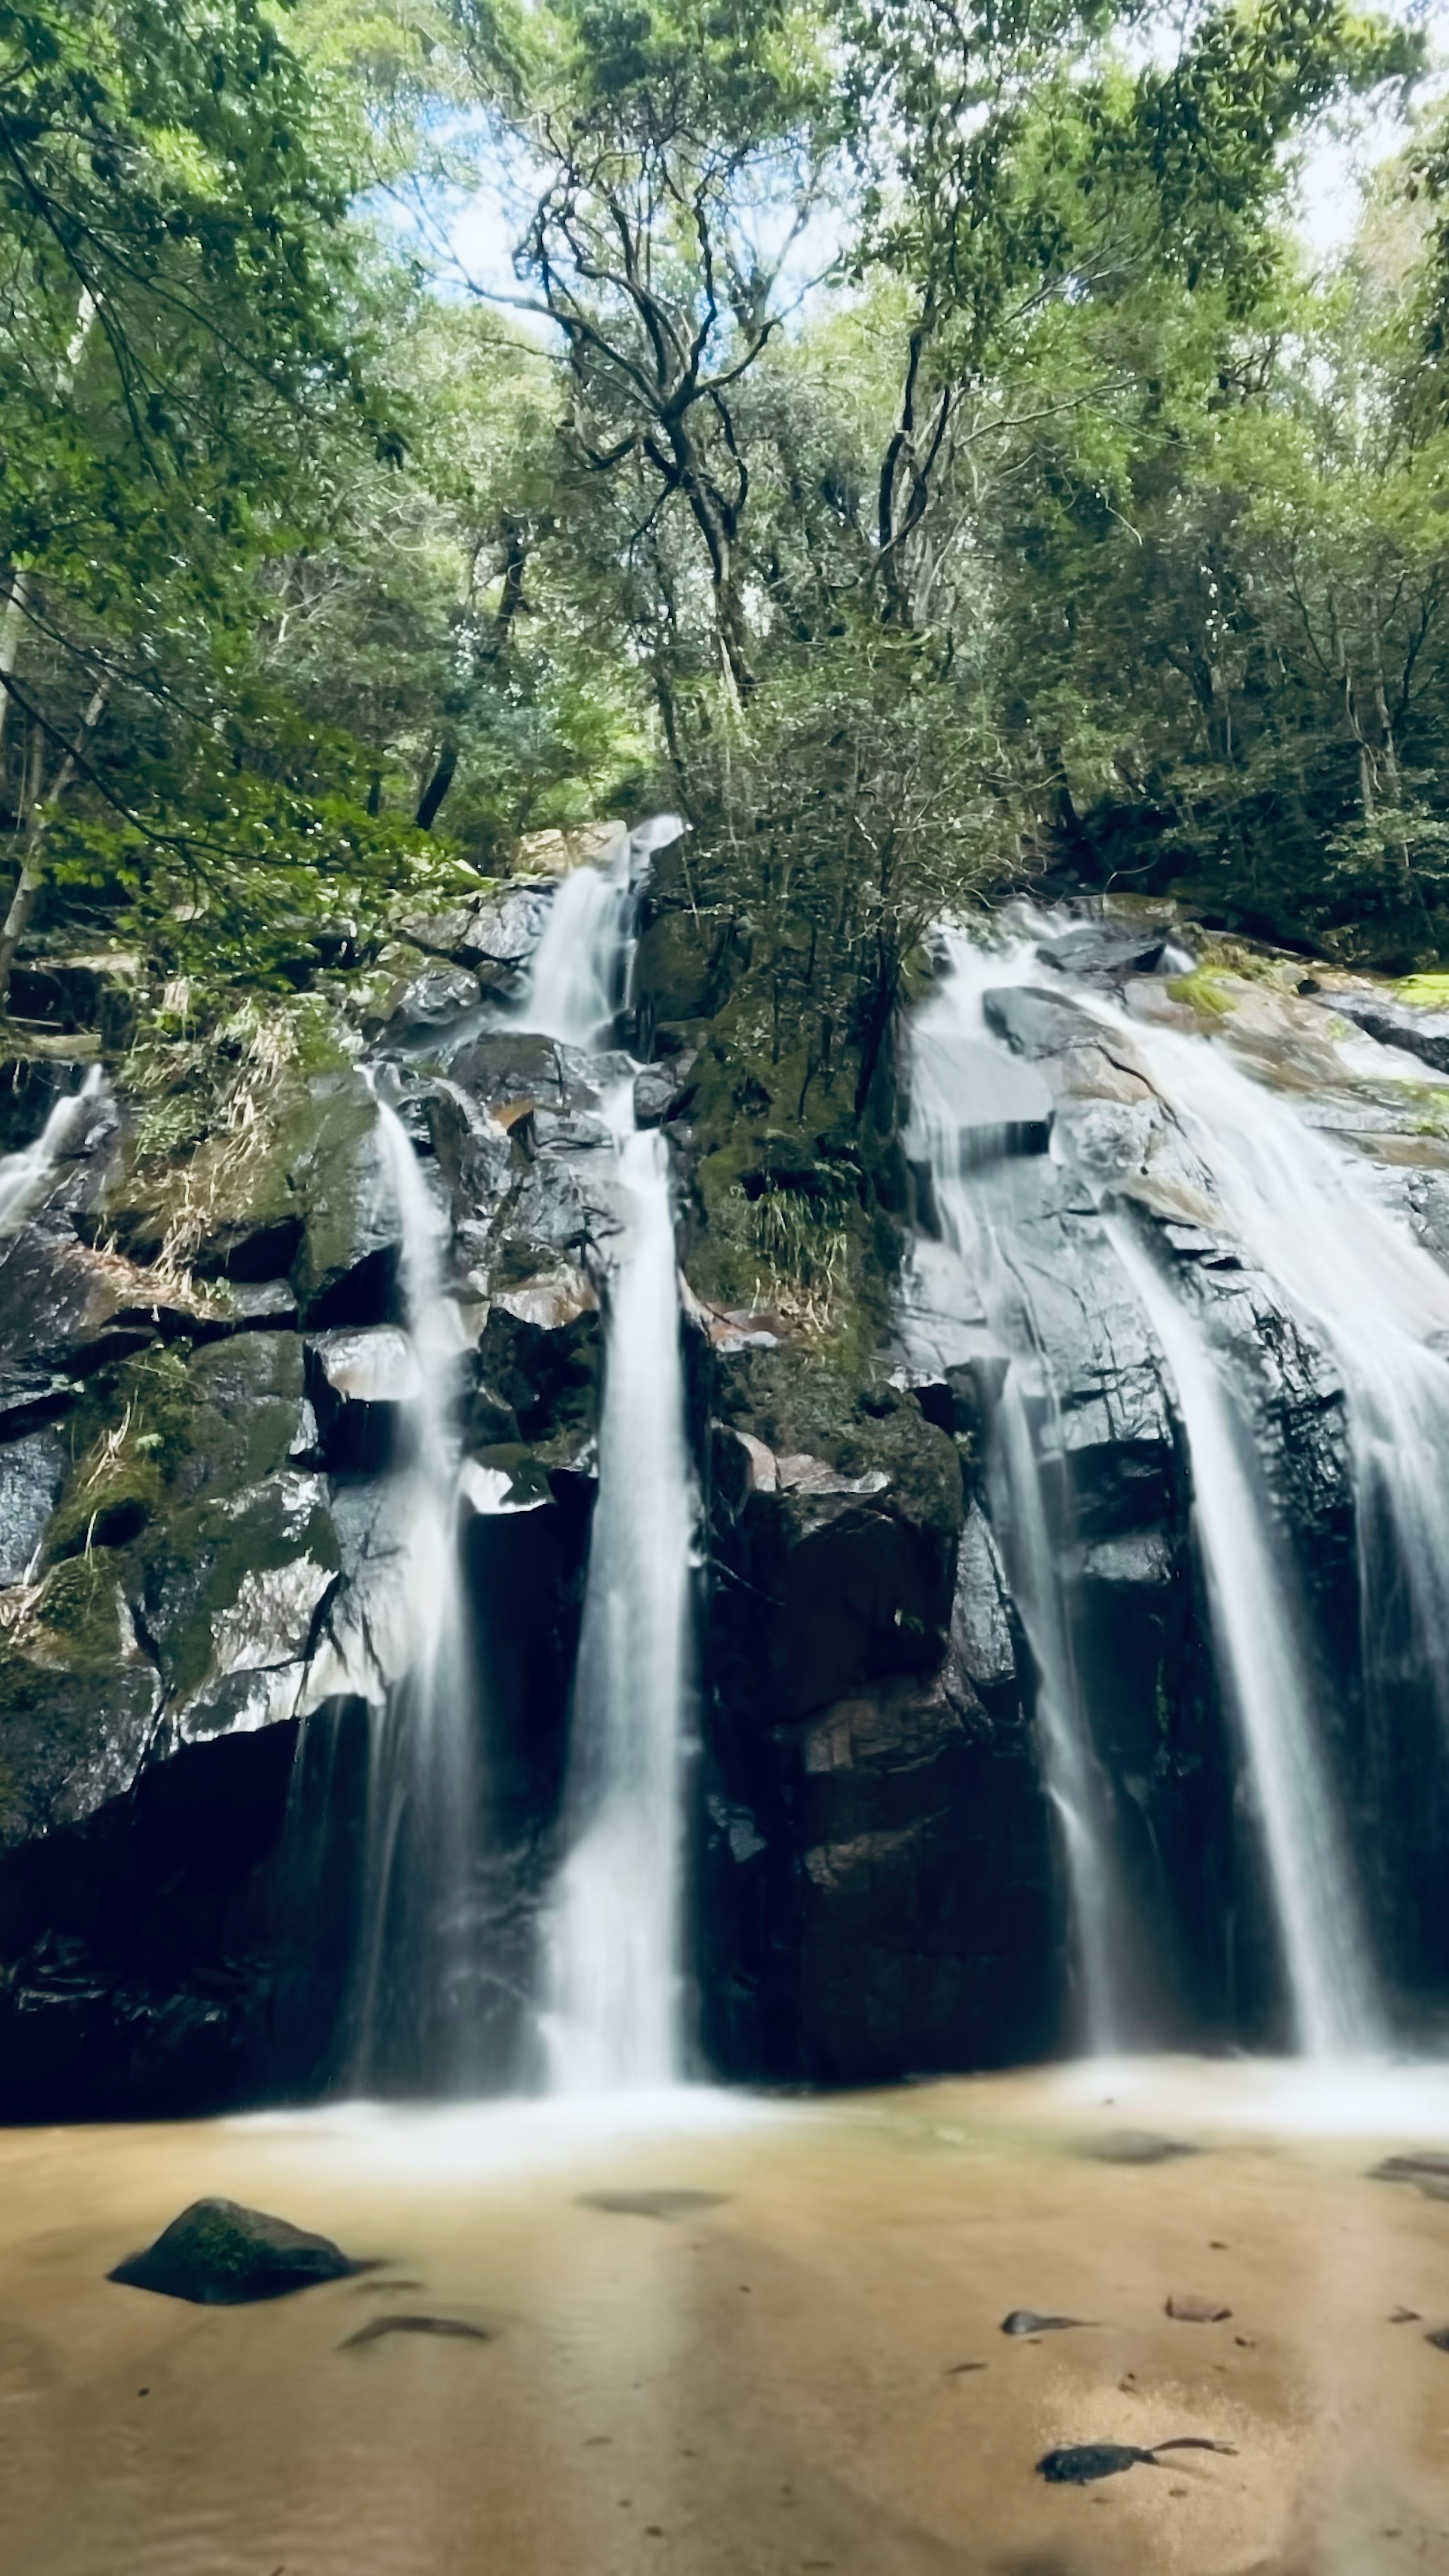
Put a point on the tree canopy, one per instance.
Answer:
(908, 438)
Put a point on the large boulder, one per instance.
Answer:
(221, 2255)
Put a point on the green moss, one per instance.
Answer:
(779, 1181)
(78, 1615)
(1201, 991)
(1430, 992)
(129, 1434)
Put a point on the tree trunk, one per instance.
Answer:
(22, 902)
(10, 626)
(437, 787)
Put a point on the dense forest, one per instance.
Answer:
(908, 440)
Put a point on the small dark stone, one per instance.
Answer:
(377, 2327)
(220, 2256)
(651, 2204)
(1439, 2338)
(1025, 2321)
(1080, 2462)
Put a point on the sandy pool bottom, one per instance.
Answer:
(803, 2370)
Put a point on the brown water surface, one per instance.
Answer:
(759, 2384)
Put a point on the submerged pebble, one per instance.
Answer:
(1136, 2147)
(1025, 2321)
(377, 2327)
(652, 2204)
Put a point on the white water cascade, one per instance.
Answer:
(972, 1176)
(612, 2006)
(23, 1176)
(1352, 1269)
(422, 1781)
(1330, 1984)
(613, 2014)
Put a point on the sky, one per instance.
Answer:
(481, 231)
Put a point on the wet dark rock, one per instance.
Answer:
(982, 1633)
(32, 1473)
(1080, 2464)
(431, 1001)
(504, 1067)
(656, 1091)
(1439, 2338)
(1025, 2321)
(451, 2328)
(1394, 1023)
(1036, 1024)
(1098, 949)
(361, 1384)
(843, 1548)
(346, 1270)
(220, 2255)
(253, 1255)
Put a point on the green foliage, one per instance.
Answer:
(909, 448)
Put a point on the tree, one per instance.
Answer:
(178, 331)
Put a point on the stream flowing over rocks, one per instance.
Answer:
(1049, 1649)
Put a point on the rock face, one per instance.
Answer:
(876, 1847)
(198, 1523)
(207, 1390)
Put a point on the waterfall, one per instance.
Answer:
(1074, 1777)
(23, 1176)
(417, 1964)
(613, 2009)
(1379, 1302)
(961, 1126)
(576, 987)
(612, 2016)
(1251, 1596)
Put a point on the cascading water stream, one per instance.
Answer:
(613, 2008)
(971, 1177)
(576, 986)
(422, 1783)
(1380, 1303)
(1288, 1198)
(612, 1978)
(1330, 1985)
(23, 1176)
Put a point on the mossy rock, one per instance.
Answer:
(246, 1416)
(221, 2255)
(822, 1411)
(197, 1560)
(304, 1194)
(128, 1437)
(75, 1718)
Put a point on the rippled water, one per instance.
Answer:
(770, 2381)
